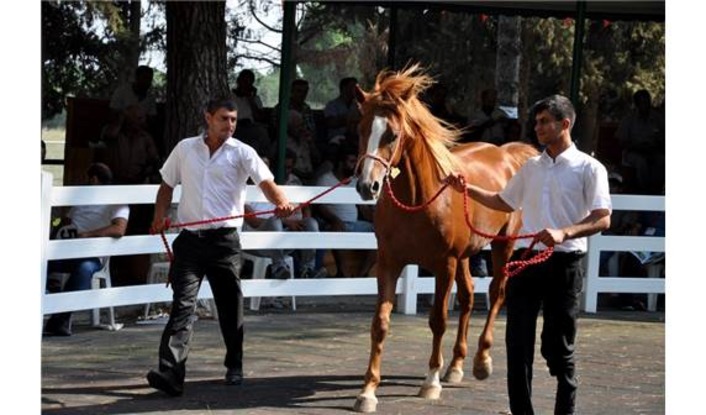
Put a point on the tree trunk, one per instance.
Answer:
(129, 42)
(507, 65)
(196, 65)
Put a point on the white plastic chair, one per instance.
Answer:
(260, 264)
(101, 279)
(159, 273)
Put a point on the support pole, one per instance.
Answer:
(577, 57)
(285, 81)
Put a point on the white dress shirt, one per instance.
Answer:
(213, 186)
(558, 193)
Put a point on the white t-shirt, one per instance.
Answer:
(244, 110)
(88, 218)
(346, 213)
(213, 186)
(557, 194)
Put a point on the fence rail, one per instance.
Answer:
(409, 286)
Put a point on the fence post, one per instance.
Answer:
(590, 299)
(45, 223)
(407, 299)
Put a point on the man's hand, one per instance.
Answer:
(159, 225)
(551, 237)
(283, 210)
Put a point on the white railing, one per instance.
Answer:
(595, 284)
(408, 287)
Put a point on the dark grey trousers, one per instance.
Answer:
(553, 286)
(215, 254)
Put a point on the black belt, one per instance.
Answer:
(562, 253)
(206, 233)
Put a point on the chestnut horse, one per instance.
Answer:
(404, 146)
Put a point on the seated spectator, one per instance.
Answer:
(487, 124)
(299, 221)
(641, 134)
(85, 222)
(131, 152)
(300, 141)
(346, 218)
(297, 102)
(251, 127)
(342, 115)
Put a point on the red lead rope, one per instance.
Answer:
(169, 225)
(511, 268)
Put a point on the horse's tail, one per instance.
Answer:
(519, 152)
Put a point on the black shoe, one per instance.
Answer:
(158, 381)
(234, 377)
(58, 325)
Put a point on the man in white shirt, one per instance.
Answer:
(213, 170)
(564, 196)
(89, 221)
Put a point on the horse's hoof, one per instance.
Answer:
(453, 375)
(431, 392)
(365, 404)
(482, 368)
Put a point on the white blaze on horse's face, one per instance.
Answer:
(373, 172)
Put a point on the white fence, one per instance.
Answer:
(408, 287)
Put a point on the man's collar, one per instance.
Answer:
(566, 155)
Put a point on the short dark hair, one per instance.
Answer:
(558, 106)
(299, 81)
(100, 171)
(247, 72)
(227, 102)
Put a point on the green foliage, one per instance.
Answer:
(84, 49)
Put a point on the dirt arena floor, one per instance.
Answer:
(312, 361)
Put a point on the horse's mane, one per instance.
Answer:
(399, 92)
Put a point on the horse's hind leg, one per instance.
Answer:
(464, 293)
(431, 388)
(482, 362)
(387, 282)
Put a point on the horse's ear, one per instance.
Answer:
(360, 95)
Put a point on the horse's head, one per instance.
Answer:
(380, 143)
(393, 119)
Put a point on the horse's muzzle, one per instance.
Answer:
(368, 190)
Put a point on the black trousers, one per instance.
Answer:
(216, 254)
(553, 286)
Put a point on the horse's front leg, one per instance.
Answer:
(464, 293)
(387, 282)
(431, 388)
(482, 362)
